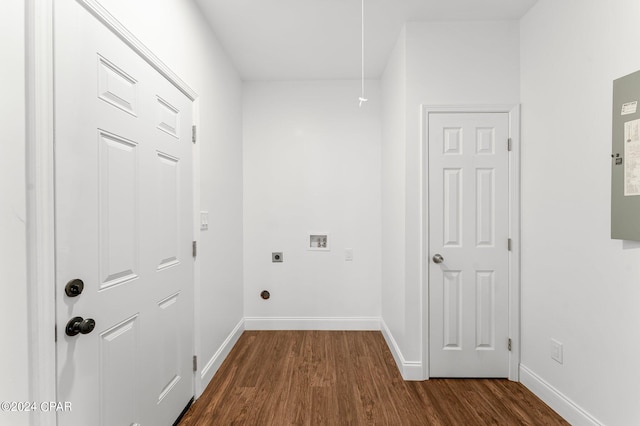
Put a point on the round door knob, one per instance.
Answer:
(74, 288)
(79, 325)
(437, 258)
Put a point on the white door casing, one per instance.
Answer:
(469, 226)
(124, 224)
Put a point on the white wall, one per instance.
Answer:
(394, 98)
(14, 371)
(311, 164)
(578, 286)
(447, 63)
(177, 33)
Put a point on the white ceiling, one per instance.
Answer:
(320, 39)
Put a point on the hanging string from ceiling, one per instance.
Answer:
(362, 99)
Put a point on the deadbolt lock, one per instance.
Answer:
(74, 288)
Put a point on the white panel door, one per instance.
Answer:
(468, 252)
(123, 227)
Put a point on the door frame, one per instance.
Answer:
(513, 111)
(40, 162)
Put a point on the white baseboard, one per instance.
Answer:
(312, 323)
(571, 412)
(214, 363)
(410, 370)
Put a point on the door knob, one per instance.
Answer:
(74, 288)
(79, 325)
(437, 258)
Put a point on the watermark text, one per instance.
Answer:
(47, 406)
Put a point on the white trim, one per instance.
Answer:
(514, 232)
(568, 409)
(312, 323)
(198, 385)
(216, 360)
(40, 207)
(410, 370)
(514, 225)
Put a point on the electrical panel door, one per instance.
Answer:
(625, 161)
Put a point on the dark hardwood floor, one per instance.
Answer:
(348, 378)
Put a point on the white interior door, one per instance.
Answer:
(123, 227)
(468, 244)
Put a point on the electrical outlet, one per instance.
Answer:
(556, 351)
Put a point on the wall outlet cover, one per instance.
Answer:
(277, 257)
(348, 254)
(556, 351)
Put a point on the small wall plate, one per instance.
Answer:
(277, 257)
(204, 221)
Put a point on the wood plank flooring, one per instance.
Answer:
(348, 378)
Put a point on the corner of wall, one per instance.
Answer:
(214, 363)
(393, 165)
(410, 370)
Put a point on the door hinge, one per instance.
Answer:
(194, 249)
(509, 244)
(193, 133)
(195, 363)
(509, 143)
(509, 345)
(55, 333)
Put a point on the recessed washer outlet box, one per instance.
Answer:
(277, 257)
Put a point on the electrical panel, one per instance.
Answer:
(625, 159)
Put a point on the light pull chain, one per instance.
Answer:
(362, 99)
